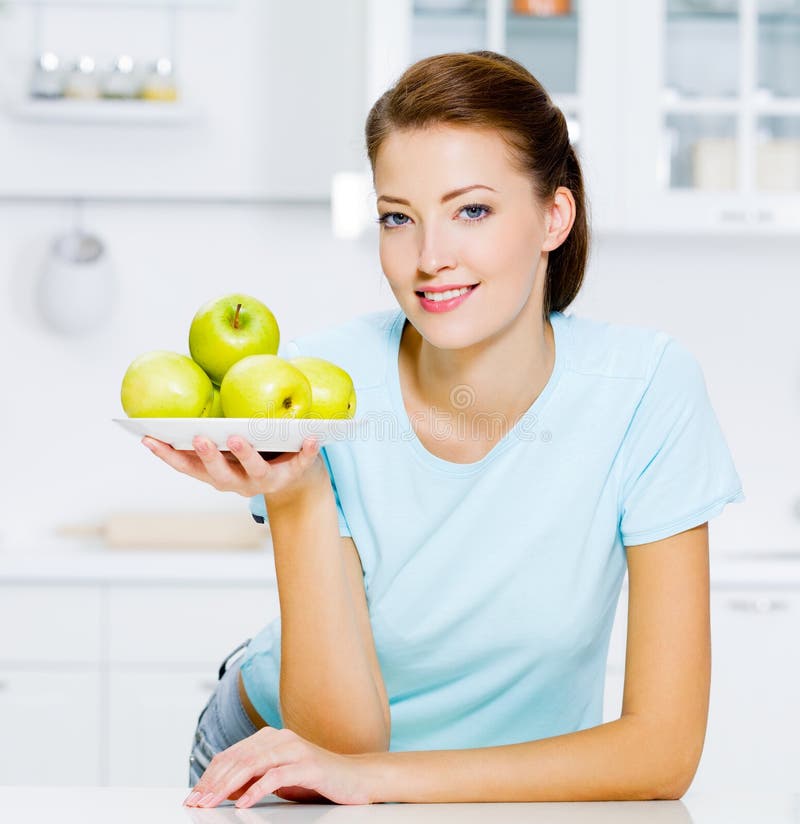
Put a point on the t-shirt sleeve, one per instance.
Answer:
(258, 508)
(677, 470)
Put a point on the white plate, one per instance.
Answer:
(265, 434)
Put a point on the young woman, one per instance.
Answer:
(448, 584)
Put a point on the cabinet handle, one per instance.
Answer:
(731, 216)
(761, 605)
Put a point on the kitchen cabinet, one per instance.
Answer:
(752, 735)
(573, 55)
(271, 101)
(121, 666)
(712, 115)
(685, 113)
(51, 722)
(118, 671)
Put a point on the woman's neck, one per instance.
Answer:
(499, 376)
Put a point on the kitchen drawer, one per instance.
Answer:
(50, 623)
(186, 625)
(50, 724)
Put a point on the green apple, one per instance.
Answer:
(332, 392)
(215, 410)
(265, 386)
(162, 384)
(227, 329)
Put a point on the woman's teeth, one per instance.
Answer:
(448, 295)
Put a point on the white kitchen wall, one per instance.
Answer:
(732, 301)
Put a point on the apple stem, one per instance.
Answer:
(236, 316)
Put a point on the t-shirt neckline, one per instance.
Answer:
(525, 428)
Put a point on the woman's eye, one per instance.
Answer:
(386, 219)
(473, 208)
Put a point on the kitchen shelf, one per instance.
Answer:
(105, 112)
(124, 4)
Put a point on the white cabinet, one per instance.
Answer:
(103, 683)
(573, 55)
(685, 113)
(753, 734)
(712, 115)
(51, 685)
(152, 719)
(165, 646)
(51, 723)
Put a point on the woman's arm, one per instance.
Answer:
(651, 752)
(331, 688)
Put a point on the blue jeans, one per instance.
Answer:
(223, 720)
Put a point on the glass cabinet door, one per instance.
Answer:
(700, 94)
(540, 34)
(715, 139)
(570, 46)
(440, 26)
(777, 143)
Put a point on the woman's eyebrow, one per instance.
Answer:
(445, 198)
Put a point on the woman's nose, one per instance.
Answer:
(435, 253)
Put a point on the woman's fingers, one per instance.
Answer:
(241, 765)
(183, 460)
(255, 466)
(287, 775)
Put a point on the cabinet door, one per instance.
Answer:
(50, 723)
(615, 667)
(190, 626)
(574, 54)
(753, 738)
(152, 720)
(712, 137)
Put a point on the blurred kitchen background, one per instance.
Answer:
(157, 153)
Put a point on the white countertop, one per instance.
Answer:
(91, 561)
(130, 805)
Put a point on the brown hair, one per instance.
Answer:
(485, 89)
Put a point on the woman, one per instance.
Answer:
(448, 585)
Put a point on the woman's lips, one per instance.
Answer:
(444, 305)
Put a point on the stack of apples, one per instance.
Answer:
(235, 372)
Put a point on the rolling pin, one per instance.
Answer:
(174, 530)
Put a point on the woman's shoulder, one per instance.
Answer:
(617, 350)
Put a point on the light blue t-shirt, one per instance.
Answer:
(492, 586)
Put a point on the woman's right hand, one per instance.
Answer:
(246, 473)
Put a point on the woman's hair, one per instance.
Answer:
(487, 90)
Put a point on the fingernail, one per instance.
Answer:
(148, 443)
(191, 798)
(207, 798)
(236, 445)
(201, 446)
(243, 801)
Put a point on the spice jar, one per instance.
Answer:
(121, 82)
(48, 77)
(159, 84)
(82, 81)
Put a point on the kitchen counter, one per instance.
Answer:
(91, 561)
(130, 805)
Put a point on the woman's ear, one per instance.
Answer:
(559, 217)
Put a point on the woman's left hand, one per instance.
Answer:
(283, 763)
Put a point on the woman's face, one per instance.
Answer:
(438, 231)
